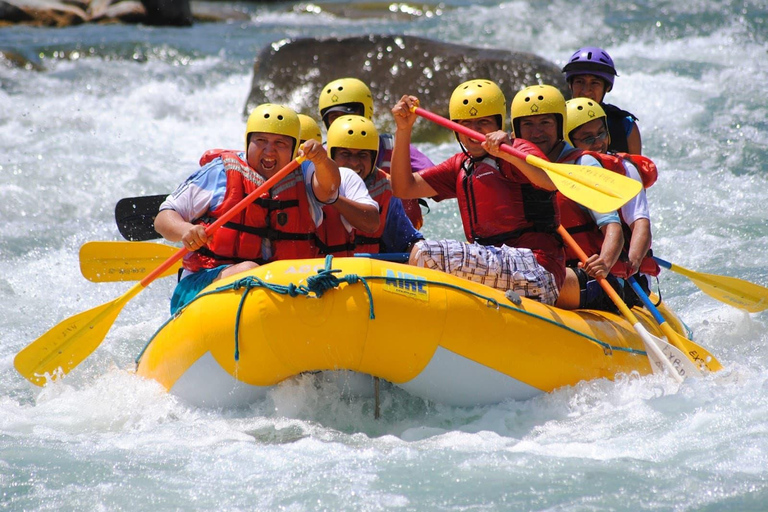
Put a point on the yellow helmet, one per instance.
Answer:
(348, 95)
(353, 132)
(478, 98)
(580, 111)
(277, 119)
(537, 100)
(309, 129)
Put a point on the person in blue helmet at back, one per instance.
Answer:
(590, 73)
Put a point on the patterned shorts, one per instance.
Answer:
(504, 268)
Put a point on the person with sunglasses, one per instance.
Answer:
(539, 116)
(587, 129)
(590, 73)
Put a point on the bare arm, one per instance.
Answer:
(538, 177)
(406, 184)
(600, 265)
(640, 242)
(363, 217)
(174, 229)
(326, 181)
(634, 143)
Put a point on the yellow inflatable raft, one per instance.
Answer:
(436, 336)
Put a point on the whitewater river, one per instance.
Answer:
(120, 111)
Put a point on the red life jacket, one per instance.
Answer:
(333, 237)
(498, 211)
(645, 166)
(380, 189)
(577, 221)
(384, 162)
(281, 215)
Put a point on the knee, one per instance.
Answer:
(413, 259)
(237, 268)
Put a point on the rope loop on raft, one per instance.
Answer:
(325, 280)
(316, 286)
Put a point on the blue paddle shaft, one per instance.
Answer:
(663, 263)
(646, 300)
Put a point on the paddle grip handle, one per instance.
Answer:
(239, 207)
(451, 125)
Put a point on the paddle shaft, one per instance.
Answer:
(697, 354)
(596, 188)
(479, 137)
(650, 343)
(70, 341)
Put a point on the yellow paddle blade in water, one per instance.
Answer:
(103, 262)
(730, 290)
(69, 342)
(698, 354)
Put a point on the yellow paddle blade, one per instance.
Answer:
(731, 290)
(69, 342)
(596, 188)
(103, 262)
(698, 354)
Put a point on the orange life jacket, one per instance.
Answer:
(332, 236)
(280, 216)
(380, 189)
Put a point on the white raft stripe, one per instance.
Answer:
(207, 384)
(449, 379)
(452, 379)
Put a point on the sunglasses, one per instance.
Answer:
(591, 140)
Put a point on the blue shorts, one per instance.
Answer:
(188, 288)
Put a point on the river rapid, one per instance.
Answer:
(120, 111)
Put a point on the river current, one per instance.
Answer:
(121, 111)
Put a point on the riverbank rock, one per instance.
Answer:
(293, 72)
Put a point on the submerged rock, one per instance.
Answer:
(293, 71)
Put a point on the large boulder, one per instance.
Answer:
(293, 72)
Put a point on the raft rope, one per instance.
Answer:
(325, 280)
(316, 285)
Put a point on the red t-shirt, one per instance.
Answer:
(446, 179)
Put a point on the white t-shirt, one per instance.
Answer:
(637, 207)
(601, 219)
(353, 188)
(205, 190)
